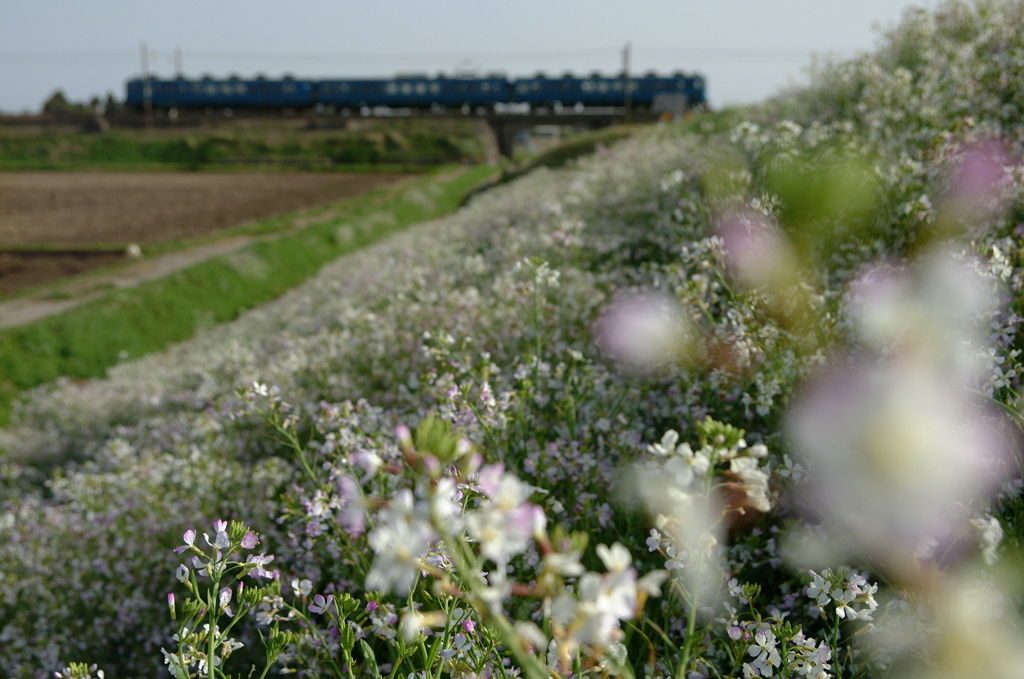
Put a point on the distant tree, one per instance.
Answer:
(57, 103)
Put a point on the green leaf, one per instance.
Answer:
(370, 658)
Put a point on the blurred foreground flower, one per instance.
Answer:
(682, 489)
(934, 313)
(980, 175)
(901, 451)
(646, 330)
(968, 628)
(755, 252)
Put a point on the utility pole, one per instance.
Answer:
(178, 70)
(147, 86)
(627, 85)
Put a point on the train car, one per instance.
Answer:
(414, 91)
(599, 90)
(474, 92)
(183, 93)
(695, 91)
(650, 86)
(542, 90)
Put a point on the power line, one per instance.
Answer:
(711, 53)
(62, 55)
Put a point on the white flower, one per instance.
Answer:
(766, 655)
(615, 558)
(505, 522)
(399, 542)
(754, 482)
(990, 535)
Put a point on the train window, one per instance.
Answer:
(435, 88)
(406, 88)
(240, 88)
(617, 86)
(289, 88)
(211, 89)
(536, 86)
(602, 87)
(421, 88)
(391, 88)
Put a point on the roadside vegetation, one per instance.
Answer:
(719, 400)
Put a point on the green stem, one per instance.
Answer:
(467, 565)
(211, 610)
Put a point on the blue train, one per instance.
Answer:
(413, 92)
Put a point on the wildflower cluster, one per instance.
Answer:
(217, 595)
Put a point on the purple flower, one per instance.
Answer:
(320, 604)
(258, 562)
(190, 538)
(181, 573)
(224, 600)
(220, 539)
(250, 540)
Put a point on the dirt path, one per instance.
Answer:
(23, 310)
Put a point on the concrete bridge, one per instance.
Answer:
(504, 127)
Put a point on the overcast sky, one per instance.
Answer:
(746, 49)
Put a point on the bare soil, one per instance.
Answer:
(69, 209)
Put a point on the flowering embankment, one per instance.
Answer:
(737, 403)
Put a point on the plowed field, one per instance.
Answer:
(69, 209)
